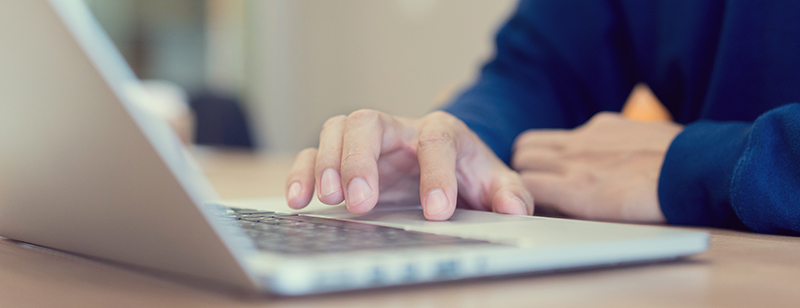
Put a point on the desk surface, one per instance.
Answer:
(739, 270)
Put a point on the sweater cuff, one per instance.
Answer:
(694, 186)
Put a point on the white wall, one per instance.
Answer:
(308, 60)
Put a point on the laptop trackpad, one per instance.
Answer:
(412, 216)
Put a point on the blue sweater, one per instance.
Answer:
(729, 70)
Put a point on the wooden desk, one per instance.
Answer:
(740, 270)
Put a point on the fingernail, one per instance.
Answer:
(294, 191)
(522, 208)
(357, 192)
(330, 183)
(435, 202)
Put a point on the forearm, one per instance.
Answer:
(498, 109)
(556, 65)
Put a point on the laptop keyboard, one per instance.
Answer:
(298, 234)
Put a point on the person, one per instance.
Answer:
(727, 71)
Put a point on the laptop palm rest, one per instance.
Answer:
(508, 229)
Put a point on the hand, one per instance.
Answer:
(436, 160)
(607, 169)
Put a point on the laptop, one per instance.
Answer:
(85, 171)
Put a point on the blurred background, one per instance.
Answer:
(266, 74)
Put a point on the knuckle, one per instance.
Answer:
(333, 121)
(436, 138)
(445, 118)
(354, 158)
(451, 122)
(598, 119)
(439, 115)
(522, 138)
(605, 116)
(364, 115)
(306, 151)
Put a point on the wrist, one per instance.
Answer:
(694, 184)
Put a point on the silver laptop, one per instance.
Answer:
(83, 170)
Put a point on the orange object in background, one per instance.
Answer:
(643, 105)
